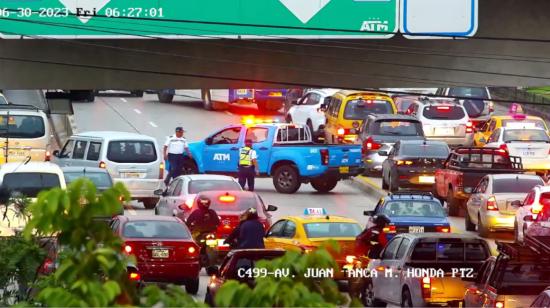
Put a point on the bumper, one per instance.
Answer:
(141, 188)
(169, 272)
(416, 180)
(467, 140)
(499, 222)
(534, 164)
(344, 173)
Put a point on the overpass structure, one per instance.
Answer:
(509, 45)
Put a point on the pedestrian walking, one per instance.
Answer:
(174, 148)
(248, 165)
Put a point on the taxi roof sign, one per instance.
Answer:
(315, 211)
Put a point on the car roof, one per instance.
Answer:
(81, 169)
(237, 193)
(438, 235)
(522, 128)
(255, 252)
(360, 92)
(421, 141)
(321, 218)
(513, 176)
(508, 117)
(41, 167)
(113, 135)
(324, 91)
(150, 218)
(207, 177)
(393, 117)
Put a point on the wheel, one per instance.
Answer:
(324, 184)
(206, 99)
(192, 286)
(137, 93)
(208, 299)
(482, 229)
(149, 203)
(393, 185)
(189, 167)
(384, 183)
(368, 299)
(406, 300)
(286, 179)
(165, 97)
(453, 204)
(468, 224)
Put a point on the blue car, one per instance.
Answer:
(411, 212)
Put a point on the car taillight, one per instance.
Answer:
(443, 229)
(370, 144)
(324, 156)
(469, 127)
(128, 249)
(161, 170)
(492, 204)
(191, 250)
(102, 165)
(503, 148)
(47, 156)
(404, 162)
(133, 276)
(443, 108)
(341, 132)
(307, 248)
(389, 229)
(499, 304)
(536, 208)
(426, 287)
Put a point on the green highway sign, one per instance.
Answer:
(191, 19)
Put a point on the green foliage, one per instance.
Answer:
(172, 297)
(289, 291)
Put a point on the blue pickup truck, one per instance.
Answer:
(286, 153)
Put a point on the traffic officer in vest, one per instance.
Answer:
(174, 148)
(248, 165)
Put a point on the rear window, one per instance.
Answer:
(449, 251)
(525, 135)
(437, 150)
(469, 92)
(156, 229)
(233, 203)
(397, 128)
(21, 126)
(515, 185)
(332, 229)
(359, 109)
(196, 187)
(444, 112)
(100, 179)
(30, 184)
(131, 151)
(536, 123)
(413, 208)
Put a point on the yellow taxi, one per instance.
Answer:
(346, 111)
(307, 233)
(494, 122)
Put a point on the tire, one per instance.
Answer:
(324, 184)
(137, 93)
(189, 167)
(384, 184)
(368, 299)
(406, 300)
(453, 204)
(165, 98)
(286, 179)
(150, 203)
(206, 99)
(393, 186)
(192, 286)
(468, 224)
(482, 229)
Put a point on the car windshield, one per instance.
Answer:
(332, 229)
(100, 179)
(444, 112)
(415, 208)
(515, 185)
(525, 135)
(449, 250)
(359, 109)
(131, 151)
(197, 186)
(397, 128)
(469, 92)
(30, 184)
(21, 126)
(428, 150)
(156, 229)
(536, 123)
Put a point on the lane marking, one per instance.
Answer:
(137, 111)
(123, 99)
(370, 182)
(153, 124)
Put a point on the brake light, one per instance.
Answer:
(389, 229)
(443, 229)
(503, 148)
(404, 162)
(499, 304)
(341, 132)
(426, 287)
(536, 208)
(443, 108)
(227, 198)
(161, 170)
(370, 144)
(134, 276)
(191, 250)
(492, 204)
(47, 156)
(128, 249)
(102, 165)
(469, 127)
(324, 156)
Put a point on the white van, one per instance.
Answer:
(132, 159)
(27, 132)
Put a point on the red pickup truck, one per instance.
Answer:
(463, 169)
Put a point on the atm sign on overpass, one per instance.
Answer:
(198, 19)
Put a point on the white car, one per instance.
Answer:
(181, 192)
(307, 110)
(531, 143)
(538, 197)
(26, 180)
(444, 120)
(491, 206)
(479, 107)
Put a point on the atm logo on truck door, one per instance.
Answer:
(222, 156)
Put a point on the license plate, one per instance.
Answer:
(416, 229)
(160, 253)
(242, 91)
(15, 153)
(444, 131)
(131, 175)
(528, 153)
(344, 169)
(426, 179)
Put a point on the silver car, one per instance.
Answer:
(181, 192)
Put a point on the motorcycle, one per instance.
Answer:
(208, 248)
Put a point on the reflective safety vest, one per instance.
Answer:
(244, 157)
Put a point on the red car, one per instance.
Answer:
(229, 205)
(164, 249)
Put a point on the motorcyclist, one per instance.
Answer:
(251, 231)
(203, 219)
(232, 239)
(372, 237)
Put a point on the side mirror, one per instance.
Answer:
(56, 153)
(209, 140)
(368, 213)
(383, 153)
(159, 192)
(516, 203)
(213, 271)
(271, 208)
(528, 218)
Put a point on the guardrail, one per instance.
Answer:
(540, 105)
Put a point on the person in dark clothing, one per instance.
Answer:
(232, 239)
(251, 231)
(203, 219)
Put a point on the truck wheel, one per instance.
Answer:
(482, 230)
(165, 98)
(368, 298)
(453, 204)
(468, 224)
(324, 184)
(192, 286)
(189, 167)
(406, 300)
(384, 184)
(393, 185)
(206, 99)
(286, 179)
